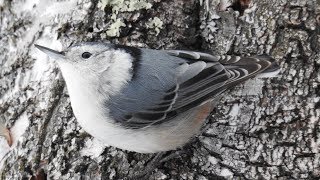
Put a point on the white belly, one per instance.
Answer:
(168, 136)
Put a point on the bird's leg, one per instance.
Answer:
(156, 161)
(171, 156)
(147, 170)
(5, 132)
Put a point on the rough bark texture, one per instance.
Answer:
(264, 129)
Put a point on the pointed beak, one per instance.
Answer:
(50, 52)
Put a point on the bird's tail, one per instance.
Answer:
(243, 68)
(272, 70)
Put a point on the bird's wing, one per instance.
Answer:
(177, 81)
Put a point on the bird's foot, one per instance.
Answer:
(5, 132)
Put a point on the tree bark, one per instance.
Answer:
(267, 128)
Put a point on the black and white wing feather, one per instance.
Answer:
(173, 82)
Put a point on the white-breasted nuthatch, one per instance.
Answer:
(148, 100)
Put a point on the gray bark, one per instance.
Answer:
(264, 129)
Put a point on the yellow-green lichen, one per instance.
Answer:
(114, 28)
(125, 5)
(156, 24)
(121, 6)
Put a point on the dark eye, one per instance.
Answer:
(86, 55)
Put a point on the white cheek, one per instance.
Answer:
(96, 64)
(106, 73)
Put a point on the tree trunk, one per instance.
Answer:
(267, 128)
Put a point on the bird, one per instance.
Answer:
(147, 100)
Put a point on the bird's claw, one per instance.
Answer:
(7, 134)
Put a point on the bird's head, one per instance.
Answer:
(94, 62)
(88, 57)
